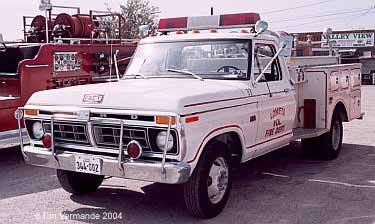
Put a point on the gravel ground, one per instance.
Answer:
(282, 187)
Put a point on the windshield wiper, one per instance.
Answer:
(138, 75)
(186, 73)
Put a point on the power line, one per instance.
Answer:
(319, 16)
(324, 20)
(298, 7)
(365, 13)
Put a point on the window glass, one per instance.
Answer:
(208, 59)
(263, 54)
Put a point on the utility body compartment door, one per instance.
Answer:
(330, 86)
(355, 94)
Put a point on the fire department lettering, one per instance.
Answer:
(93, 98)
(277, 111)
(278, 128)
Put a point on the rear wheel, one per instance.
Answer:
(207, 191)
(79, 183)
(331, 142)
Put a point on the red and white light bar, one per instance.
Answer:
(227, 21)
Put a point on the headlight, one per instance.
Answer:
(161, 138)
(37, 130)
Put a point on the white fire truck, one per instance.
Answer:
(194, 102)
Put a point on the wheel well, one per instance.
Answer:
(233, 141)
(341, 111)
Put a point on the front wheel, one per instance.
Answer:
(207, 191)
(78, 183)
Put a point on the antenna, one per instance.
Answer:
(212, 11)
(116, 65)
(46, 6)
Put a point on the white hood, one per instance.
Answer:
(157, 94)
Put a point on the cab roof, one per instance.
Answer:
(220, 35)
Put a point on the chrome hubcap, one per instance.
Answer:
(336, 135)
(217, 182)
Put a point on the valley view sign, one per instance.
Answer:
(349, 40)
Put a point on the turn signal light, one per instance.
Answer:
(180, 32)
(31, 112)
(165, 120)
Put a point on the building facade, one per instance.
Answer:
(354, 46)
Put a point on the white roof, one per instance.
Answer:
(206, 36)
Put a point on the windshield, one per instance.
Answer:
(206, 59)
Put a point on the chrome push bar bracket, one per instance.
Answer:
(53, 149)
(121, 147)
(19, 115)
(163, 172)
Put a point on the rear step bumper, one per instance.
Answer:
(304, 133)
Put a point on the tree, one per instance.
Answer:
(137, 13)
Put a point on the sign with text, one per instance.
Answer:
(349, 40)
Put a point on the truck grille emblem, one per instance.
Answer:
(93, 98)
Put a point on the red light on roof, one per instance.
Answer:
(208, 22)
(239, 19)
(173, 23)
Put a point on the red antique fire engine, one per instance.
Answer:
(71, 50)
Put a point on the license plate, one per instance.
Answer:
(89, 165)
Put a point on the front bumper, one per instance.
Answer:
(175, 173)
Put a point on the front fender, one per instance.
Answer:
(193, 160)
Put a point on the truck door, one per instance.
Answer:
(276, 100)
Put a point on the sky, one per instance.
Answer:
(283, 15)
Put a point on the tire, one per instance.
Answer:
(215, 157)
(330, 143)
(327, 146)
(79, 183)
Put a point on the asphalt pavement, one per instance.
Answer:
(282, 187)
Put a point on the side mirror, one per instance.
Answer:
(144, 31)
(286, 43)
(261, 26)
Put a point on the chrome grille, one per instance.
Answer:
(68, 132)
(109, 136)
